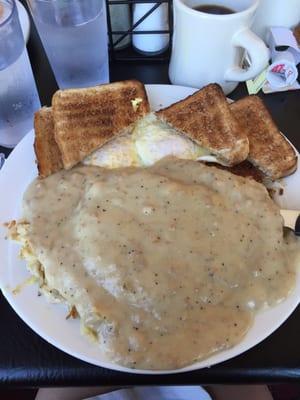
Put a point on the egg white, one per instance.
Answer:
(119, 152)
(150, 141)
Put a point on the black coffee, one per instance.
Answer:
(214, 9)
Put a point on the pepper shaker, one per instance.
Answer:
(155, 43)
(120, 21)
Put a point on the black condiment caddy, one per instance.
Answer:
(129, 53)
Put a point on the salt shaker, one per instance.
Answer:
(150, 44)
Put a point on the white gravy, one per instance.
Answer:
(165, 265)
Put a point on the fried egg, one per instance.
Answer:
(119, 152)
(155, 140)
(150, 141)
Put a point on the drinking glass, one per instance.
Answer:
(74, 35)
(18, 95)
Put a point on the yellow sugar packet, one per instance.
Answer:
(256, 84)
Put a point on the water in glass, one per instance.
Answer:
(74, 35)
(18, 95)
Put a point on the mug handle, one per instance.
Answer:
(258, 53)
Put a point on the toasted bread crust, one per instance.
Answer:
(85, 119)
(205, 117)
(48, 156)
(268, 148)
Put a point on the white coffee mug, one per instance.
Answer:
(275, 13)
(208, 48)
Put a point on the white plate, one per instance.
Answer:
(48, 320)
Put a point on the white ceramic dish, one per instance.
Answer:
(48, 320)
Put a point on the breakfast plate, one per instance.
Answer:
(64, 333)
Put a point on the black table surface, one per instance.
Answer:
(29, 361)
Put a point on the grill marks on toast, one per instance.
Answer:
(205, 117)
(268, 149)
(85, 119)
(82, 120)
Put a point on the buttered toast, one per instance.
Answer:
(269, 150)
(85, 119)
(205, 117)
(48, 155)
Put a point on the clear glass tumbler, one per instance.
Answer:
(74, 35)
(18, 95)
